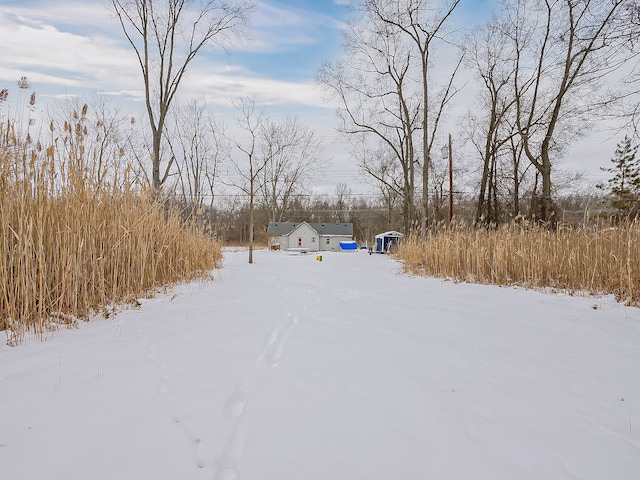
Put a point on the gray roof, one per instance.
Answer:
(285, 228)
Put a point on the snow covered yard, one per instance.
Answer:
(295, 369)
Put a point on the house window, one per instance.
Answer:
(313, 239)
(299, 242)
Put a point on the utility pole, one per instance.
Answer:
(450, 183)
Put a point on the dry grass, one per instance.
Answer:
(592, 259)
(70, 248)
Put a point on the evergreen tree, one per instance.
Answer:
(624, 186)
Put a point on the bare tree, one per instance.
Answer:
(628, 107)
(562, 51)
(389, 179)
(374, 88)
(166, 36)
(424, 25)
(343, 194)
(389, 199)
(519, 171)
(292, 151)
(488, 56)
(248, 166)
(198, 146)
(258, 144)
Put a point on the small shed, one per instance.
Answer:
(388, 241)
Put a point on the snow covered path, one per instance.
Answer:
(295, 369)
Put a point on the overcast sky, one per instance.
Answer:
(69, 48)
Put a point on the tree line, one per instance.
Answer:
(542, 70)
(545, 73)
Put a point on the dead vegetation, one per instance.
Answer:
(71, 247)
(594, 259)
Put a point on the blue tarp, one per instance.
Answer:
(348, 245)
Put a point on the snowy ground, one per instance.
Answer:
(344, 369)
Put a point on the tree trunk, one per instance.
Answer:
(480, 207)
(155, 160)
(546, 204)
(425, 146)
(251, 208)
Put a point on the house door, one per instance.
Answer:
(299, 241)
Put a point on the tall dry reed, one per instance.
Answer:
(593, 259)
(70, 247)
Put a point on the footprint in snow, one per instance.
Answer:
(235, 403)
(278, 340)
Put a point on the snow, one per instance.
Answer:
(296, 369)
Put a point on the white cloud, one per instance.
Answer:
(276, 29)
(49, 55)
(219, 89)
(80, 61)
(68, 13)
(72, 52)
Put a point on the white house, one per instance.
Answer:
(309, 236)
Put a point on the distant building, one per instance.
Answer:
(309, 236)
(387, 242)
